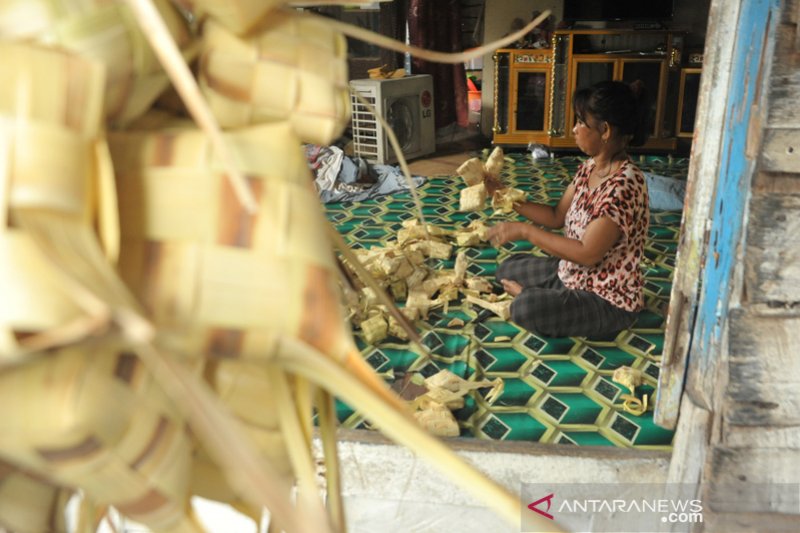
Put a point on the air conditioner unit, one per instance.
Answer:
(407, 106)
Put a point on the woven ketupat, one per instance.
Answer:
(65, 297)
(238, 15)
(218, 282)
(105, 32)
(290, 67)
(201, 265)
(29, 502)
(130, 449)
(86, 414)
(250, 299)
(61, 182)
(238, 287)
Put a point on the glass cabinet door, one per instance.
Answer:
(585, 73)
(588, 72)
(531, 100)
(650, 73)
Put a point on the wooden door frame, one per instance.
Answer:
(695, 331)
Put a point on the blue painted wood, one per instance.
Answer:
(756, 22)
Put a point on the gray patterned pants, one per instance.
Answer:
(545, 306)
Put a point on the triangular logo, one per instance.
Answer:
(544, 513)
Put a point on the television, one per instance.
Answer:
(632, 10)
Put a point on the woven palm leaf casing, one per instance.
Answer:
(48, 98)
(130, 450)
(29, 503)
(106, 32)
(238, 287)
(234, 287)
(238, 15)
(226, 283)
(86, 413)
(289, 67)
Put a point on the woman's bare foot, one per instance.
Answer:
(511, 287)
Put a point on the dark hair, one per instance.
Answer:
(621, 105)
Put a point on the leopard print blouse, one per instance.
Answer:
(623, 198)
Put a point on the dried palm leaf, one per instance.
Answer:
(210, 277)
(38, 311)
(184, 83)
(494, 163)
(303, 349)
(241, 16)
(239, 76)
(129, 450)
(29, 503)
(106, 32)
(472, 198)
(500, 308)
(51, 199)
(503, 200)
(238, 15)
(472, 171)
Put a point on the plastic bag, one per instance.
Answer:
(538, 151)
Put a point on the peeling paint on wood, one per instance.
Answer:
(673, 364)
(700, 189)
(753, 52)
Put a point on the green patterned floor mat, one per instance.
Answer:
(557, 390)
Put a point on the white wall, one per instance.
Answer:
(497, 22)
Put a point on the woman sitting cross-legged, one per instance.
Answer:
(592, 285)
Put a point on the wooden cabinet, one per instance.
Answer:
(577, 59)
(586, 71)
(522, 107)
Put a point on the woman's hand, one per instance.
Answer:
(492, 184)
(504, 232)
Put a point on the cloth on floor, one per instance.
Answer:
(666, 193)
(339, 178)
